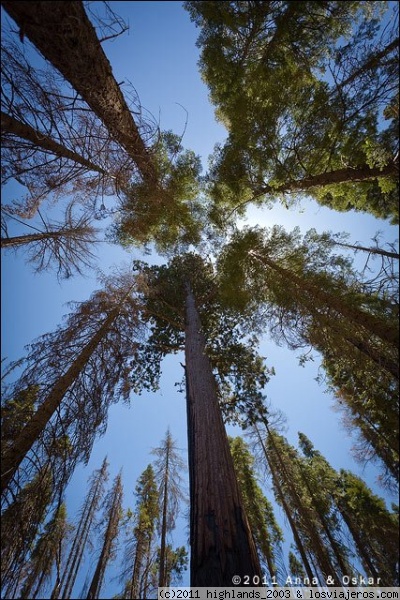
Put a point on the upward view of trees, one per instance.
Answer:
(308, 93)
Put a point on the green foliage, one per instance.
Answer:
(239, 370)
(169, 213)
(259, 511)
(300, 88)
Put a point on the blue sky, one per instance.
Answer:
(159, 57)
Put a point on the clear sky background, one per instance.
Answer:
(159, 57)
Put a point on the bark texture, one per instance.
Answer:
(221, 541)
(62, 32)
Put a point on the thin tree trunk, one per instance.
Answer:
(359, 317)
(11, 125)
(318, 548)
(343, 565)
(360, 545)
(137, 564)
(82, 534)
(20, 240)
(162, 572)
(371, 63)
(378, 251)
(32, 430)
(221, 542)
(292, 524)
(110, 534)
(345, 175)
(62, 32)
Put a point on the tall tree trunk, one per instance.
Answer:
(296, 536)
(318, 548)
(82, 534)
(221, 542)
(109, 537)
(32, 430)
(363, 553)
(11, 125)
(346, 175)
(340, 559)
(20, 240)
(137, 565)
(378, 251)
(162, 572)
(62, 32)
(368, 321)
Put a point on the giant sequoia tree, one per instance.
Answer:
(307, 92)
(183, 305)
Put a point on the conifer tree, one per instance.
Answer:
(376, 543)
(267, 533)
(61, 149)
(81, 368)
(291, 130)
(307, 296)
(76, 52)
(64, 247)
(20, 523)
(46, 555)
(112, 515)
(177, 295)
(64, 587)
(146, 516)
(168, 466)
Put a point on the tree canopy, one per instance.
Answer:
(308, 93)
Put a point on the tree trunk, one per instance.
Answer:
(288, 513)
(221, 542)
(32, 430)
(368, 321)
(162, 572)
(62, 32)
(316, 543)
(378, 251)
(360, 544)
(371, 63)
(11, 125)
(340, 559)
(20, 240)
(82, 534)
(110, 534)
(345, 175)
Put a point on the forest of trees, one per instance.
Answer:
(308, 93)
